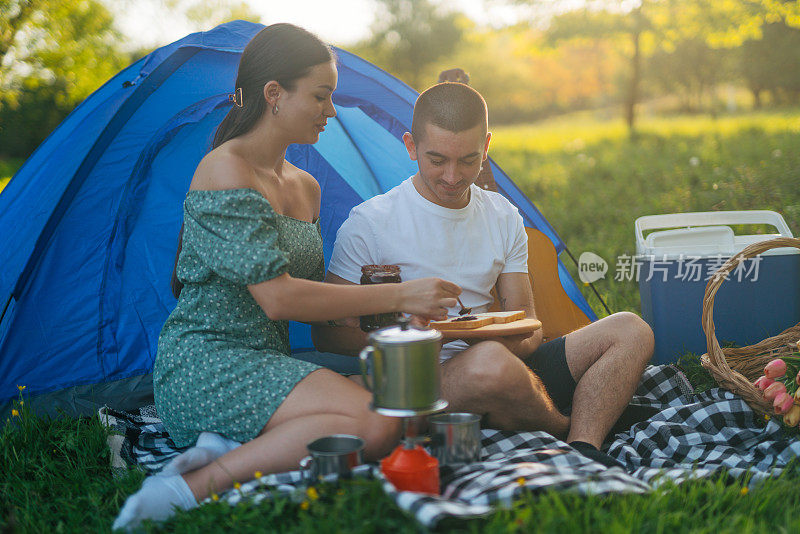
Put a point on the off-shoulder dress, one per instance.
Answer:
(222, 365)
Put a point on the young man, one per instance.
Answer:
(437, 223)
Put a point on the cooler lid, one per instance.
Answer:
(706, 234)
(702, 241)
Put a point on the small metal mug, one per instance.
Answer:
(338, 454)
(455, 438)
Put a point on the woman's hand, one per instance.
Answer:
(428, 297)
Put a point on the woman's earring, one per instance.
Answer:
(275, 109)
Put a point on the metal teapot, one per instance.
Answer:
(401, 368)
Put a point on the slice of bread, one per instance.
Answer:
(504, 316)
(477, 320)
(464, 322)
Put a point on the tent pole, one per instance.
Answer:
(590, 283)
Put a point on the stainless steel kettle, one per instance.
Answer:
(401, 368)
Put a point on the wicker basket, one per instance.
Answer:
(736, 368)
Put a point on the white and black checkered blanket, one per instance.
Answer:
(691, 436)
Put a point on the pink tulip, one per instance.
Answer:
(772, 391)
(775, 368)
(763, 382)
(783, 401)
(792, 417)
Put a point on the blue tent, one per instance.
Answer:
(90, 222)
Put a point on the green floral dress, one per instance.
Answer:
(222, 364)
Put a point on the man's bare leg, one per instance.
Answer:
(606, 359)
(489, 380)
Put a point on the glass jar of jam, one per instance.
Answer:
(379, 274)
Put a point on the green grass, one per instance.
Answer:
(591, 181)
(56, 478)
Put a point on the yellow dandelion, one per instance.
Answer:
(214, 497)
(15, 413)
(236, 485)
(766, 417)
(258, 474)
(521, 481)
(340, 492)
(312, 493)
(304, 505)
(21, 387)
(22, 403)
(743, 491)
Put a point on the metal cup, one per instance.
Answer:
(455, 438)
(401, 369)
(338, 454)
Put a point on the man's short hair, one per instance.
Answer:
(453, 106)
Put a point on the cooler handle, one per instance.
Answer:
(708, 218)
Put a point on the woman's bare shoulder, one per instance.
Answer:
(309, 183)
(223, 169)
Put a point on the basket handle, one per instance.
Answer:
(715, 353)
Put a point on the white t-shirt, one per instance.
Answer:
(470, 246)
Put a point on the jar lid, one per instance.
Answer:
(404, 333)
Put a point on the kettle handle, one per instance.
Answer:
(363, 357)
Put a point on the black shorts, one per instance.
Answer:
(549, 362)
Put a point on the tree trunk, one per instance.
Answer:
(636, 71)
(756, 97)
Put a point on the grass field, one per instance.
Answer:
(591, 182)
(56, 478)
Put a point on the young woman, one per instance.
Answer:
(251, 259)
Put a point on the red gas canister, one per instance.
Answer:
(412, 469)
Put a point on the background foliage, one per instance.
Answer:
(629, 58)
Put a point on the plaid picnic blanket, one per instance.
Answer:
(690, 436)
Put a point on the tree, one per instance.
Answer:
(409, 36)
(56, 43)
(690, 69)
(53, 54)
(652, 25)
(771, 63)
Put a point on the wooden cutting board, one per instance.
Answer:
(514, 328)
(468, 322)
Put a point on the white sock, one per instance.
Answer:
(208, 448)
(156, 501)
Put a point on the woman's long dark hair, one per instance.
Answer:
(281, 52)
